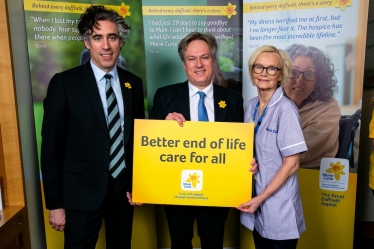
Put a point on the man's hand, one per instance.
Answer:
(176, 116)
(57, 219)
(129, 198)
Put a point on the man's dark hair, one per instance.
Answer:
(208, 38)
(95, 13)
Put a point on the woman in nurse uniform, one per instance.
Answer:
(275, 213)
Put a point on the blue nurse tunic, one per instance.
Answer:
(279, 135)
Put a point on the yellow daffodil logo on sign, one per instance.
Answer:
(230, 10)
(222, 104)
(343, 3)
(124, 10)
(128, 85)
(194, 179)
(336, 169)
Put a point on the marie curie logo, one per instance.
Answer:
(327, 176)
(334, 174)
(192, 180)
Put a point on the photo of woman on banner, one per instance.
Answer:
(275, 214)
(311, 87)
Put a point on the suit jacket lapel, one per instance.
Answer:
(183, 101)
(90, 87)
(218, 96)
(127, 102)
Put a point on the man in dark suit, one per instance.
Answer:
(87, 138)
(182, 102)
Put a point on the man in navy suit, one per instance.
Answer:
(81, 189)
(180, 102)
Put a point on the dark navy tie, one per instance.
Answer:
(117, 150)
(202, 113)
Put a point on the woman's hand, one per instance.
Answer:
(250, 206)
(254, 168)
(289, 167)
(176, 116)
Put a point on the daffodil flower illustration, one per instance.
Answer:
(343, 3)
(336, 169)
(222, 104)
(194, 179)
(124, 10)
(230, 10)
(128, 85)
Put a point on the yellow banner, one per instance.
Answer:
(63, 7)
(329, 215)
(189, 10)
(327, 212)
(201, 163)
(286, 5)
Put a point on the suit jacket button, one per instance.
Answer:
(106, 171)
(107, 149)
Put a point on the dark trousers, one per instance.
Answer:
(210, 225)
(264, 243)
(82, 227)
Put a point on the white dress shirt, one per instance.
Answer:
(100, 80)
(194, 101)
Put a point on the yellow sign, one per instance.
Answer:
(201, 163)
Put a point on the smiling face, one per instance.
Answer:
(299, 89)
(199, 64)
(104, 45)
(263, 81)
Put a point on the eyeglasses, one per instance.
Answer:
(307, 75)
(257, 68)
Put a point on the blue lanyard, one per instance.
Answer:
(261, 116)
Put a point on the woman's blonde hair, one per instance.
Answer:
(285, 63)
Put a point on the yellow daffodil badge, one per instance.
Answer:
(127, 85)
(222, 104)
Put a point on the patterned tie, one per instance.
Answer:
(117, 150)
(202, 113)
